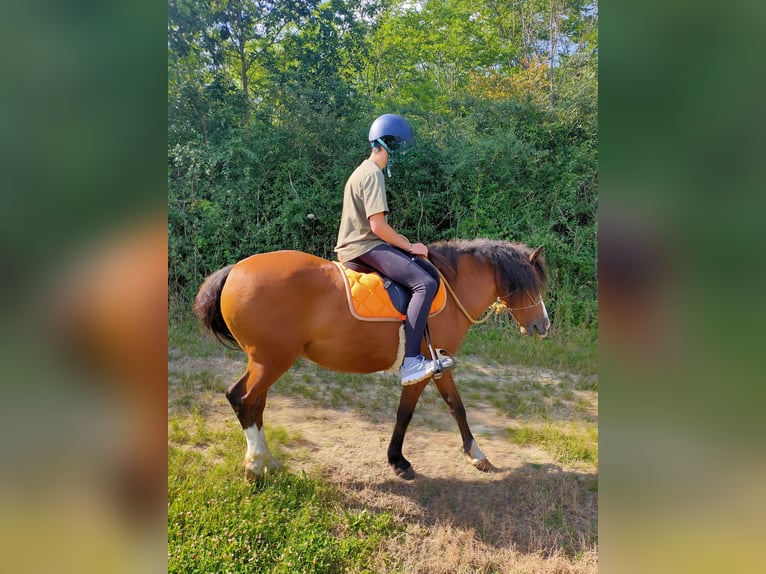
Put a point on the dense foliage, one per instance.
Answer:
(269, 103)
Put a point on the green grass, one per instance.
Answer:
(284, 523)
(574, 349)
(186, 337)
(566, 445)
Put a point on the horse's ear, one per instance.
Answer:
(535, 253)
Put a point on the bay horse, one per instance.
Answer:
(282, 305)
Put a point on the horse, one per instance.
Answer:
(282, 305)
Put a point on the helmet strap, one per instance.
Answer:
(390, 155)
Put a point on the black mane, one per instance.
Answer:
(510, 260)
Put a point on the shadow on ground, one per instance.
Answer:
(534, 508)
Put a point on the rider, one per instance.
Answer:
(366, 237)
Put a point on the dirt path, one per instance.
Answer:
(533, 515)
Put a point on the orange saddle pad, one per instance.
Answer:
(368, 299)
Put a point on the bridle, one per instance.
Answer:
(496, 308)
(510, 310)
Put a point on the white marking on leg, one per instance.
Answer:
(475, 453)
(258, 457)
(256, 441)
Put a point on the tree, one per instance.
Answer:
(269, 104)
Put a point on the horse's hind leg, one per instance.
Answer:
(248, 398)
(449, 393)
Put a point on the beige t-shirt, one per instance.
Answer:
(364, 195)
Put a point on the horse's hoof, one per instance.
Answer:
(484, 465)
(251, 476)
(258, 468)
(405, 473)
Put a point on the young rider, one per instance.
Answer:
(365, 236)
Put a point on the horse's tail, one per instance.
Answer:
(207, 305)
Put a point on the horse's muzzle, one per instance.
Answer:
(539, 329)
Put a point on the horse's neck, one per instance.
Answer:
(475, 286)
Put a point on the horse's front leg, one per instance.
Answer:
(448, 391)
(407, 402)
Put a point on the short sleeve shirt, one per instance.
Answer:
(363, 196)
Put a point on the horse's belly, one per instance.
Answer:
(354, 346)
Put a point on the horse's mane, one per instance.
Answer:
(510, 261)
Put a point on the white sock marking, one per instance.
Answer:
(475, 453)
(258, 455)
(256, 442)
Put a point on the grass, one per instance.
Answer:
(185, 337)
(299, 522)
(567, 445)
(282, 524)
(574, 349)
(187, 386)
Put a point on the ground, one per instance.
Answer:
(537, 513)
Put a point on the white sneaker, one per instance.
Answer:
(420, 370)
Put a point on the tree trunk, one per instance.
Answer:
(245, 86)
(553, 33)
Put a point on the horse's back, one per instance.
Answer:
(275, 289)
(276, 277)
(284, 304)
(286, 259)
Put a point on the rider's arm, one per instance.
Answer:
(382, 229)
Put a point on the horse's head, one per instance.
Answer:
(520, 277)
(525, 304)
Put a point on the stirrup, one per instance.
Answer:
(444, 359)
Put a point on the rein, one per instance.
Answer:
(496, 308)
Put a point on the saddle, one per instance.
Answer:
(372, 297)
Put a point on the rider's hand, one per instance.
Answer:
(419, 249)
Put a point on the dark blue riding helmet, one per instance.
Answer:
(393, 133)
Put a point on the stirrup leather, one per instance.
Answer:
(441, 358)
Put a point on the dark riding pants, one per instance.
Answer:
(419, 276)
